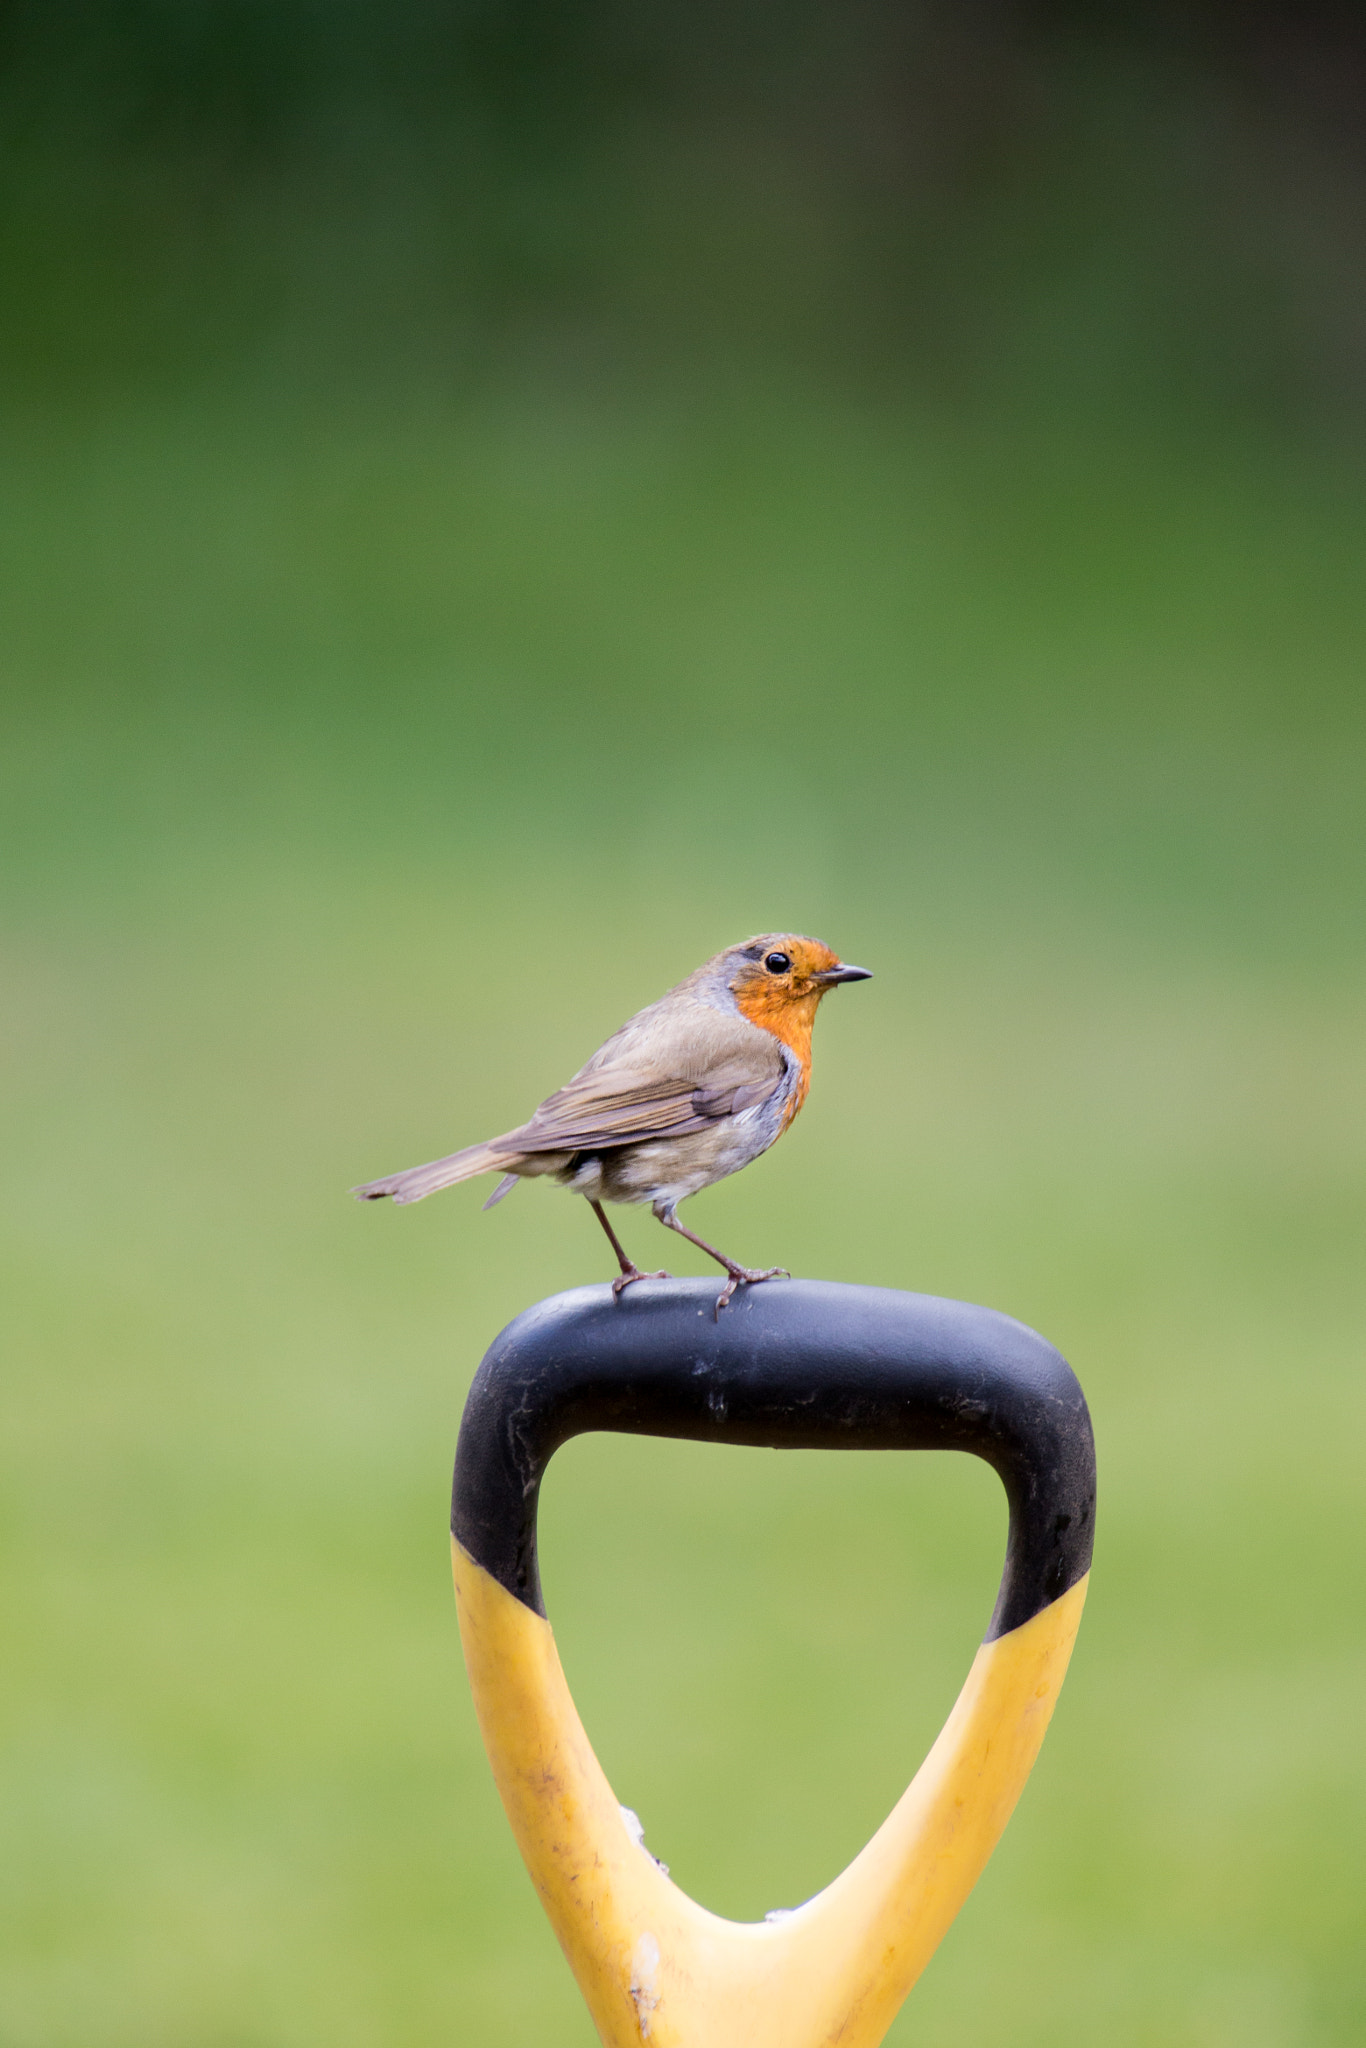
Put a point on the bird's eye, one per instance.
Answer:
(777, 963)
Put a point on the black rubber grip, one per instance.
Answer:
(793, 1365)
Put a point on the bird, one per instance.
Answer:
(689, 1090)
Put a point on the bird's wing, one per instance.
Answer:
(618, 1107)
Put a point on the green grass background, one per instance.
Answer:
(374, 742)
(366, 773)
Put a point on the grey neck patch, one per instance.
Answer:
(713, 988)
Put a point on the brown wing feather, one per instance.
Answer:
(602, 1110)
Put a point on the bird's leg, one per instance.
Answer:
(751, 1275)
(629, 1270)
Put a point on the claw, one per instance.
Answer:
(625, 1279)
(750, 1276)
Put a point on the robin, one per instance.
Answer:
(687, 1091)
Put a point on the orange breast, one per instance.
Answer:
(789, 1018)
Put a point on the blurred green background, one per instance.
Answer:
(496, 502)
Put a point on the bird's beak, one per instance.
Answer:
(830, 975)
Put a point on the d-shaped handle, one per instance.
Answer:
(789, 1365)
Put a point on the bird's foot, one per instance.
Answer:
(630, 1273)
(749, 1276)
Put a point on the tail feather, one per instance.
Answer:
(417, 1181)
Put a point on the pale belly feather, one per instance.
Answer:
(668, 1170)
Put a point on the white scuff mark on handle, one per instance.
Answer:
(644, 1978)
(635, 1828)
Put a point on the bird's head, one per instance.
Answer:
(779, 978)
